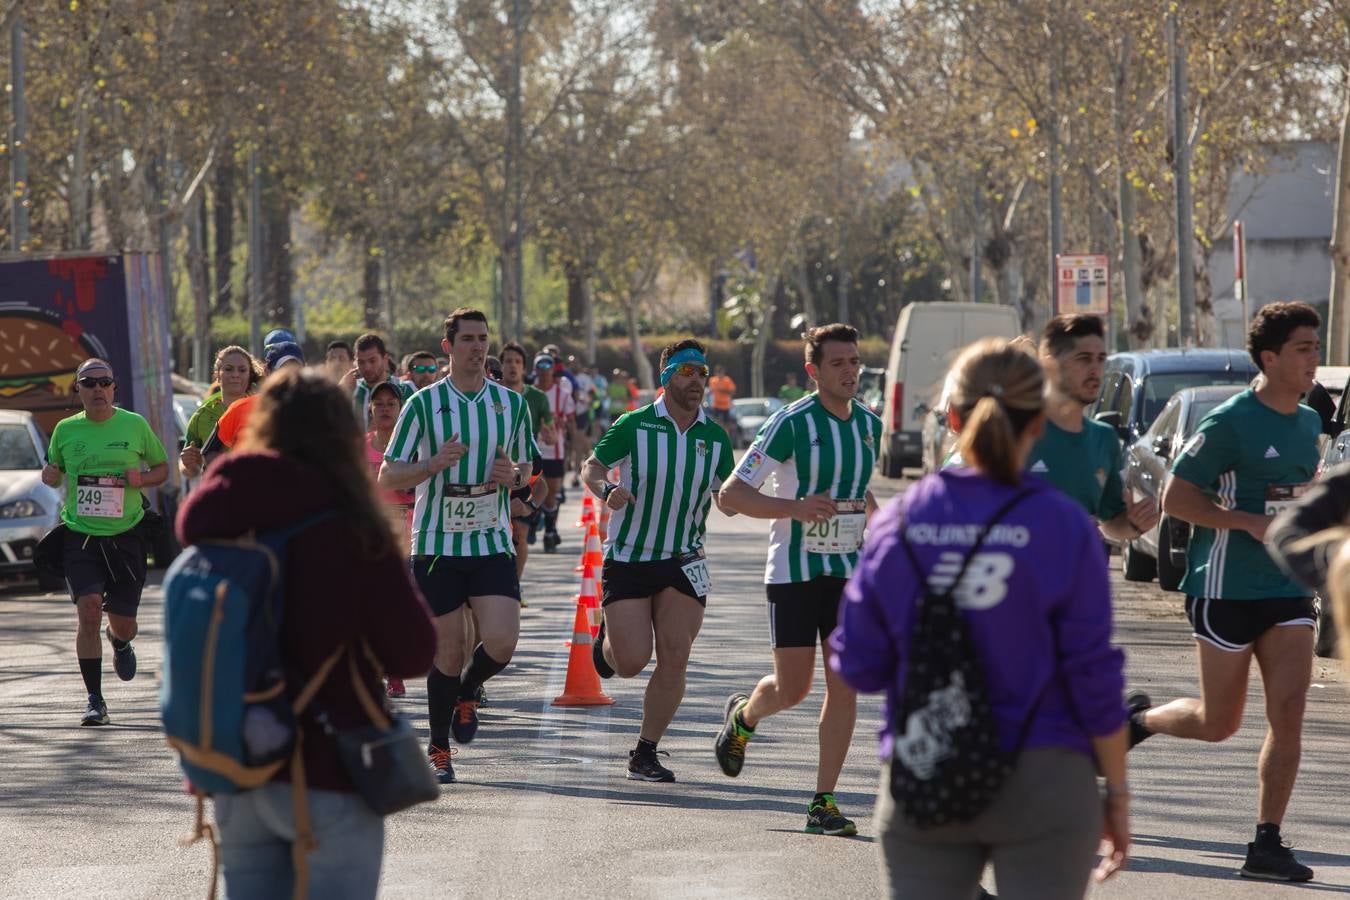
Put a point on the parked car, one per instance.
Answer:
(938, 437)
(927, 338)
(1161, 552)
(1137, 385)
(748, 414)
(28, 508)
(872, 388)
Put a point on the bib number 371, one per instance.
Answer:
(695, 568)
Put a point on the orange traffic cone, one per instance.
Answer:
(593, 555)
(590, 598)
(583, 683)
(587, 510)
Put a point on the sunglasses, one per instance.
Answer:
(96, 382)
(424, 370)
(688, 370)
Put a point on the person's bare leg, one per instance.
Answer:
(123, 627)
(628, 635)
(1217, 713)
(676, 619)
(838, 713)
(790, 683)
(450, 642)
(88, 618)
(519, 536)
(1284, 654)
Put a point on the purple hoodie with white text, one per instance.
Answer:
(1037, 600)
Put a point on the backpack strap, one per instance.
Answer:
(979, 542)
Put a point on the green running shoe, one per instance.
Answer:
(731, 740)
(824, 817)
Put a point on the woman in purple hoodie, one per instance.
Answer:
(1037, 603)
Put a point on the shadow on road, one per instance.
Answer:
(1227, 860)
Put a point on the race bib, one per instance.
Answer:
(841, 533)
(1280, 497)
(695, 568)
(470, 507)
(100, 496)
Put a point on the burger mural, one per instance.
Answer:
(38, 359)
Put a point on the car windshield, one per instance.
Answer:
(17, 450)
(871, 383)
(1200, 409)
(753, 408)
(1159, 388)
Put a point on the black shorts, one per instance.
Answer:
(804, 612)
(447, 582)
(628, 580)
(554, 468)
(1235, 624)
(583, 422)
(111, 566)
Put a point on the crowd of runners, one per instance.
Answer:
(470, 454)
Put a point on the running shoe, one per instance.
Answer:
(602, 668)
(395, 688)
(482, 697)
(1274, 862)
(1138, 702)
(576, 481)
(646, 767)
(464, 725)
(124, 660)
(533, 535)
(97, 713)
(562, 495)
(552, 540)
(824, 817)
(731, 740)
(441, 767)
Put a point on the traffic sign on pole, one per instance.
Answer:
(1083, 284)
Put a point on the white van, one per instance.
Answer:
(927, 338)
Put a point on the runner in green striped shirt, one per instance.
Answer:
(463, 442)
(820, 450)
(671, 459)
(372, 365)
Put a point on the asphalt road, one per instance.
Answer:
(543, 808)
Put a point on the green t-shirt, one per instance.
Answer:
(1252, 458)
(1085, 465)
(810, 451)
(94, 457)
(791, 392)
(537, 403)
(672, 477)
(204, 420)
(618, 398)
(457, 511)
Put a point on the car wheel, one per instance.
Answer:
(1325, 644)
(1169, 575)
(1136, 564)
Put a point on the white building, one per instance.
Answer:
(1286, 214)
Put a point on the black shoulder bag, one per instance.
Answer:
(947, 764)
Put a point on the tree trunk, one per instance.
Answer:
(199, 280)
(576, 293)
(276, 253)
(370, 289)
(1338, 324)
(1206, 325)
(79, 177)
(223, 213)
(588, 317)
(767, 305)
(808, 298)
(642, 366)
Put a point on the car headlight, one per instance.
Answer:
(21, 509)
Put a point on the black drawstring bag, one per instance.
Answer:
(947, 764)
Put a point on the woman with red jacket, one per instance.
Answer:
(344, 581)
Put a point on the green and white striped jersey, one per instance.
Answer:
(361, 398)
(672, 477)
(808, 450)
(457, 511)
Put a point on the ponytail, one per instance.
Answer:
(999, 390)
(989, 442)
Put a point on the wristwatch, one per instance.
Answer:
(608, 489)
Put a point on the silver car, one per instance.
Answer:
(748, 414)
(28, 508)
